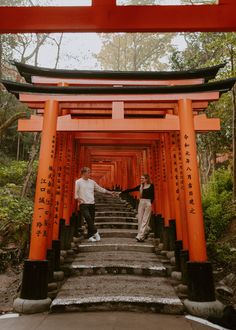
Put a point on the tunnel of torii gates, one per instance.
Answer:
(121, 124)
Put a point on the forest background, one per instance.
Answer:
(119, 51)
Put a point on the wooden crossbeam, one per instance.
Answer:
(170, 123)
(105, 16)
(112, 82)
(103, 107)
(39, 98)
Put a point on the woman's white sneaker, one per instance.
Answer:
(97, 236)
(92, 239)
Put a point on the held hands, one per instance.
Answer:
(115, 193)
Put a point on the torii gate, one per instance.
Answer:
(149, 125)
(106, 16)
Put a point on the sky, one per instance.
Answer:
(81, 46)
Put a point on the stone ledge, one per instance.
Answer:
(119, 303)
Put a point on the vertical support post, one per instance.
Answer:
(164, 183)
(200, 276)
(118, 110)
(38, 246)
(68, 184)
(197, 242)
(35, 274)
(160, 202)
(176, 188)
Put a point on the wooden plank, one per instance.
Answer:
(35, 98)
(107, 17)
(171, 123)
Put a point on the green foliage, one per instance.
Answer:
(15, 216)
(13, 173)
(217, 204)
(15, 212)
(134, 51)
(221, 254)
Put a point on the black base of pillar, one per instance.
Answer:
(67, 237)
(165, 235)
(172, 234)
(76, 225)
(156, 225)
(184, 258)
(62, 235)
(35, 280)
(50, 258)
(160, 227)
(56, 245)
(178, 248)
(200, 282)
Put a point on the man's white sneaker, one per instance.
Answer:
(92, 239)
(97, 236)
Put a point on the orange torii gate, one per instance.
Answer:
(138, 122)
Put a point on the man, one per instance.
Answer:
(84, 194)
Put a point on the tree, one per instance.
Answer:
(206, 49)
(135, 51)
(24, 48)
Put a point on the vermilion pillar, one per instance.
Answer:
(35, 275)
(68, 184)
(197, 242)
(166, 204)
(200, 275)
(169, 174)
(181, 193)
(43, 192)
(160, 178)
(58, 185)
(175, 184)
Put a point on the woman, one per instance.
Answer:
(146, 189)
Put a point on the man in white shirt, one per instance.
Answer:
(84, 194)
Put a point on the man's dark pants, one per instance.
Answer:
(88, 213)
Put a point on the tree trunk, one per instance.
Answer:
(18, 147)
(234, 142)
(1, 53)
(58, 50)
(234, 124)
(33, 154)
(11, 120)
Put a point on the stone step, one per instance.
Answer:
(106, 268)
(121, 225)
(127, 257)
(109, 232)
(117, 292)
(115, 244)
(105, 203)
(117, 219)
(113, 208)
(118, 262)
(116, 213)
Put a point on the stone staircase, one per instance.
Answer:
(117, 273)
